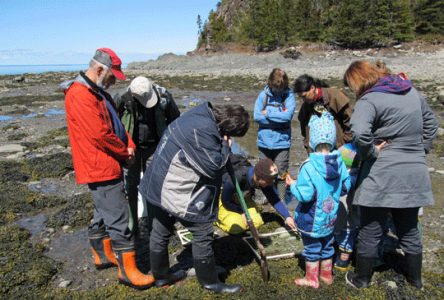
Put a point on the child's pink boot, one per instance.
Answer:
(311, 275)
(326, 275)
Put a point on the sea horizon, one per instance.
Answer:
(42, 68)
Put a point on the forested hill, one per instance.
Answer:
(269, 24)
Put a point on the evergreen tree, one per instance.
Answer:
(402, 23)
(430, 17)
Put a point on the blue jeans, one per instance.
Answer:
(316, 249)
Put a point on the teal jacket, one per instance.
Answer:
(321, 181)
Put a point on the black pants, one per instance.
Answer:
(372, 224)
(163, 228)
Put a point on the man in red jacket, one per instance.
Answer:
(100, 145)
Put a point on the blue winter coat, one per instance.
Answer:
(185, 175)
(274, 127)
(321, 181)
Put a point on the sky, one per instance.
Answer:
(68, 31)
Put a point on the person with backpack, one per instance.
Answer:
(231, 217)
(146, 109)
(273, 111)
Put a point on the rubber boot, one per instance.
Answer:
(363, 275)
(311, 275)
(342, 262)
(325, 274)
(160, 267)
(129, 274)
(413, 265)
(102, 250)
(207, 277)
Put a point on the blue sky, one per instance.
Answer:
(68, 31)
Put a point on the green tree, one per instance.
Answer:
(402, 21)
(429, 17)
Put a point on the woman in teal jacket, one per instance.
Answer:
(273, 112)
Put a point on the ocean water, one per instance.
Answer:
(22, 69)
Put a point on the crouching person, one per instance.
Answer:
(100, 145)
(183, 184)
(321, 181)
(231, 217)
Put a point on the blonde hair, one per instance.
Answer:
(362, 75)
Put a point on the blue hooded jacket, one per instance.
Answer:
(321, 181)
(274, 127)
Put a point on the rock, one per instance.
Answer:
(440, 132)
(431, 170)
(66, 228)
(227, 99)
(392, 284)
(11, 148)
(397, 46)
(18, 79)
(441, 96)
(50, 230)
(16, 156)
(64, 283)
(440, 172)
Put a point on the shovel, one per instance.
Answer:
(264, 265)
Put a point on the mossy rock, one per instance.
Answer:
(24, 270)
(13, 171)
(54, 165)
(17, 136)
(16, 199)
(77, 212)
(57, 136)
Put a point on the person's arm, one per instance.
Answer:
(172, 112)
(272, 196)
(429, 125)
(283, 116)
(362, 122)
(303, 121)
(258, 116)
(302, 188)
(92, 123)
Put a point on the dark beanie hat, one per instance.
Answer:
(265, 169)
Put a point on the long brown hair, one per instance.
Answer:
(362, 75)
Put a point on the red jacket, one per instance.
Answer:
(97, 151)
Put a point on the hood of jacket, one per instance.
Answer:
(327, 165)
(391, 84)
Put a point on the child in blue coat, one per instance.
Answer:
(321, 181)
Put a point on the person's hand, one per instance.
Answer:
(289, 221)
(245, 220)
(289, 180)
(131, 156)
(381, 146)
(229, 140)
(264, 112)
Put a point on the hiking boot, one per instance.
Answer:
(311, 275)
(342, 262)
(102, 250)
(413, 265)
(160, 266)
(363, 273)
(207, 276)
(325, 274)
(129, 274)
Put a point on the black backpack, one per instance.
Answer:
(240, 166)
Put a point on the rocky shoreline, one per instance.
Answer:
(44, 215)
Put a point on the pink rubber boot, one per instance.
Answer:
(311, 275)
(326, 275)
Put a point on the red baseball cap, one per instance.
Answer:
(110, 59)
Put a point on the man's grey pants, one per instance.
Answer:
(111, 213)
